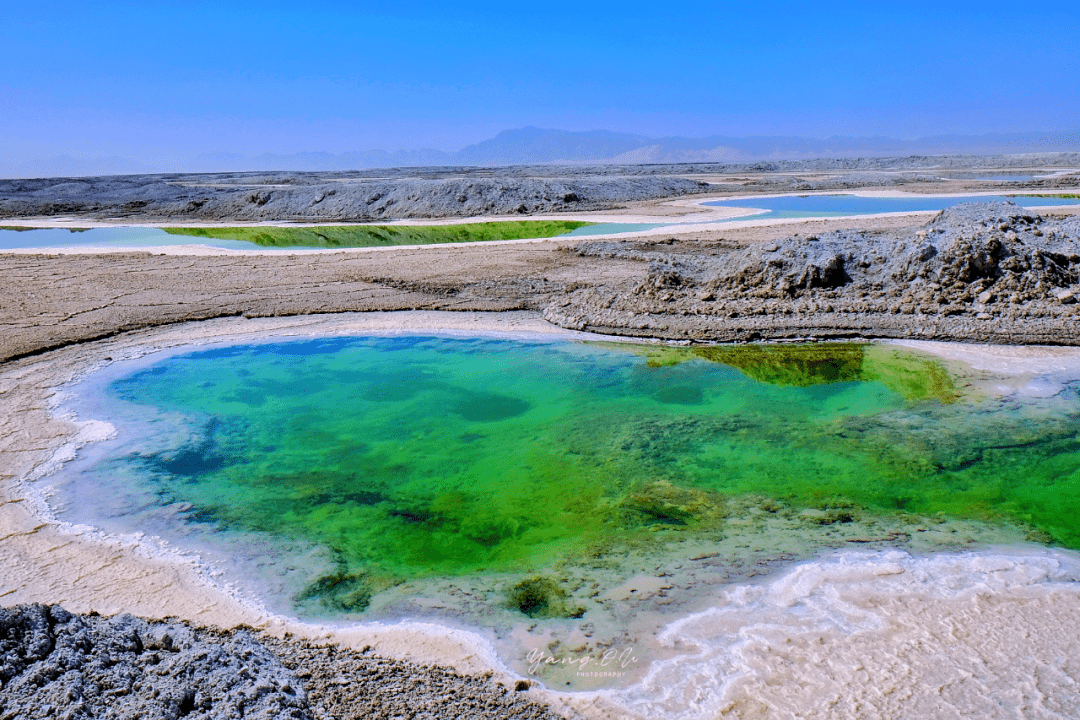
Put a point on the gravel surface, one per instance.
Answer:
(54, 664)
(358, 685)
(59, 665)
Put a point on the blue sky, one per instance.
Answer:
(173, 79)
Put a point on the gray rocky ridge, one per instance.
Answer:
(435, 192)
(59, 665)
(55, 664)
(978, 271)
(324, 197)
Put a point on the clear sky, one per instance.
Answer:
(172, 79)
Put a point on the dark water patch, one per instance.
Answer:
(342, 592)
(488, 407)
(191, 462)
(798, 366)
(541, 597)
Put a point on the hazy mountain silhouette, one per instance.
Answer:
(532, 145)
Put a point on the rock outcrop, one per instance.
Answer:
(984, 272)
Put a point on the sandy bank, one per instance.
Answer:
(880, 635)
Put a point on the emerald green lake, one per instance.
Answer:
(402, 459)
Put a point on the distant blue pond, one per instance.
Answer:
(611, 229)
(148, 237)
(813, 206)
(1005, 178)
(132, 237)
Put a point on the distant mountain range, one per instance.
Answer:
(532, 145)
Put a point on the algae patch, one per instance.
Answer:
(346, 236)
(541, 597)
(909, 373)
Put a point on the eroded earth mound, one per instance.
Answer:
(968, 253)
(978, 271)
(251, 198)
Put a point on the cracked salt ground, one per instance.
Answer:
(987, 634)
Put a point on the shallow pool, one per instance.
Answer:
(812, 206)
(612, 229)
(126, 237)
(374, 461)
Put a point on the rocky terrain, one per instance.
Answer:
(54, 664)
(404, 193)
(987, 272)
(323, 197)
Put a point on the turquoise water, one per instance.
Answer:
(612, 229)
(133, 237)
(813, 206)
(390, 460)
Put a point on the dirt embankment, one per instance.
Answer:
(997, 274)
(311, 198)
(985, 272)
(451, 192)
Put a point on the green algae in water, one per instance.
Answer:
(914, 376)
(422, 457)
(344, 236)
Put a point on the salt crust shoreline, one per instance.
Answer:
(50, 562)
(84, 570)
